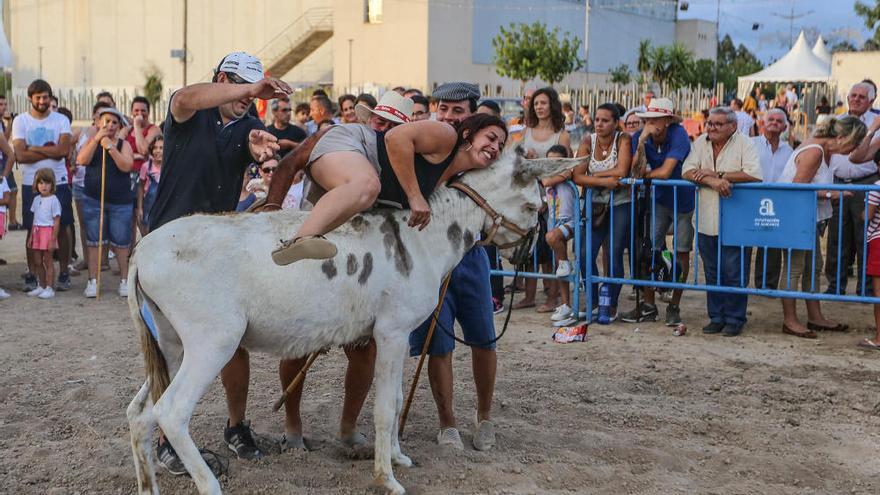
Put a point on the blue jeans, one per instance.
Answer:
(620, 235)
(725, 308)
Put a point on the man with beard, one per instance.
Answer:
(41, 139)
(210, 139)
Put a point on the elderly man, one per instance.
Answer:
(468, 300)
(859, 100)
(773, 153)
(720, 158)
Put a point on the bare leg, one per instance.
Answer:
(484, 364)
(440, 377)
(122, 261)
(287, 371)
(40, 267)
(358, 378)
(789, 315)
(82, 233)
(235, 377)
(48, 269)
(13, 207)
(876, 283)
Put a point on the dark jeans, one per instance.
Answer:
(726, 308)
(850, 241)
(621, 224)
(774, 268)
(496, 281)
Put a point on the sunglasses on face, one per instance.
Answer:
(268, 170)
(283, 110)
(235, 78)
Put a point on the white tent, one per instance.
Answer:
(5, 51)
(821, 50)
(800, 64)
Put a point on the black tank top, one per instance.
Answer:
(427, 175)
(117, 187)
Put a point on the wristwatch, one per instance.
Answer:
(827, 194)
(720, 175)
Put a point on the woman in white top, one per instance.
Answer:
(610, 160)
(809, 165)
(545, 128)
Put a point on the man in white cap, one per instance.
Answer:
(210, 139)
(391, 110)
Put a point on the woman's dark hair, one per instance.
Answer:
(558, 149)
(475, 123)
(345, 98)
(66, 112)
(99, 105)
(557, 118)
(156, 139)
(421, 100)
(612, 109)
(491, 105)
(301, 107)
(620, 108)
(367, 99)
(824, 100)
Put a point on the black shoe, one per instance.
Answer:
(63, 282)
(240, 439)
(168, 459)
(643, 312)
(713, 328)
(30, 283)
(732, 330)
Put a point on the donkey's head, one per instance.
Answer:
(511, 187)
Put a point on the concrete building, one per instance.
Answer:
(848, 68)
(699, 35)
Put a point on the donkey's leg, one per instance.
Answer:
(140, 425)
(391, 348)
(397, 457)
(203, 358)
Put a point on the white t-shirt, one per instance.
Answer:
(36, 132)
(45, 210)
(4, 188)
(744, 122)
(293, 197)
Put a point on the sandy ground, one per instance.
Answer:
(630, 411)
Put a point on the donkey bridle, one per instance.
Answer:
(498, 219)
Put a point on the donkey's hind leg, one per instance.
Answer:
(140, 423)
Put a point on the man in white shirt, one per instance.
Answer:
(41, 139)
(859, 100)
(744, 122)
(773, 153)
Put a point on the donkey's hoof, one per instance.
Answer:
(390, 485)
(400, 459)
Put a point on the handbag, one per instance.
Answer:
(600, 214)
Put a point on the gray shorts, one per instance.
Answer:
(566, 226)
(348, 137)
(684, 226)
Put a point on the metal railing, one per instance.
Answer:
(314, 19)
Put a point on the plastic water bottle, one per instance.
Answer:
(604, 304)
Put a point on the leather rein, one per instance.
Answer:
(498, 219)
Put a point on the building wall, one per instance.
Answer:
(614, 36)
(108, 44)
(700, 36)
(848, 68)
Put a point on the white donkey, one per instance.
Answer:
(211, 285)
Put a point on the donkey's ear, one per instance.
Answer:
(520, 150)
(528, 170)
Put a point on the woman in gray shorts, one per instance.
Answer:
(353, 164)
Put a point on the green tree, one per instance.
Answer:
(671, 65)
(643, 63)
(152, 84)
(871, 16)
(621, 74)
(735, 61)
(526, 51)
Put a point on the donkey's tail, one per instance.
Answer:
(154, 362)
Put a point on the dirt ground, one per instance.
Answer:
(632, 410)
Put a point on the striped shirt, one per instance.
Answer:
(874, 225)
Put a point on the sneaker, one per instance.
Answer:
(63, 282)
(240, 439)
(48, 293)
(451, 437)
(563, 269)
(123, 288)
(36, 292)
(4, 294)
(169, 460)
(497, 307)
(643, 312)
(731, 330)
(562, 312)
(111, 255)
(673, 315)
(567, 322)
(713, 327)
(71, 269)
(30, 283)
(484, 434)
(91, 288)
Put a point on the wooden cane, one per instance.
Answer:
(296, 381)
(415, 382)
(101, 220)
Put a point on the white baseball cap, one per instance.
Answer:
(243, 65)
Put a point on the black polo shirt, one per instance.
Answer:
(291, 133)
(203, 167)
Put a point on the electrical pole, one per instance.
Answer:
(185, 53)
(350, 41)
(717, 49)
(40, 71)
(791, 17)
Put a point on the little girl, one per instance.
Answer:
(44, 235)
(5, 200)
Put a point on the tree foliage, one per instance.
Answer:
(152, 84)
(621, 74)
(674, 65)
(735, 61)
(526, 51)
(871, 15)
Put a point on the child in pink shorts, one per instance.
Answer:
(873, 268)
(44, 234)
(5, 195)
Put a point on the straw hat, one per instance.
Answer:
(659, 107)
(392, 107)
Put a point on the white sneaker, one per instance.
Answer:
(561, 313)
(567, 322)
(36, 292)
(4, 294)
(563, 269)
(91, 288)
(123, 288)
(450, 437)
(48, 293)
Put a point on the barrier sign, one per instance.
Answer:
(763, 217)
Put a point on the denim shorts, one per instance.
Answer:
(117, 222)
(78, 192)
(468, 300)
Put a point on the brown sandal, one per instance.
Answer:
(840, 327)
(313, 247)
(809, 334)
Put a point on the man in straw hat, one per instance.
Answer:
(659, 149)
(210, 139)
(391, 110)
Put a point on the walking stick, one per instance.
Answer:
(296, 381)
(101, 220)
(415, 382)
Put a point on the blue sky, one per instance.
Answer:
(833, 19)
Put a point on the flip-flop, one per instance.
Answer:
(809, 334)
(524, 305)
(544, 308)
(840, 327)
(868, 344)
